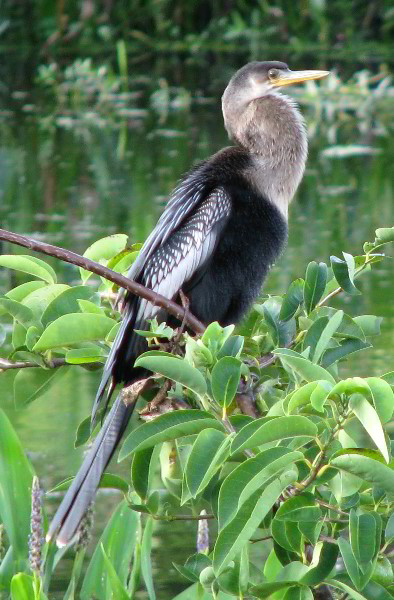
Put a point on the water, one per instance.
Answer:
(70, 177)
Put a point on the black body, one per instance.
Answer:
(223, 228)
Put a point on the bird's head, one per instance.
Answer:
(256, 80)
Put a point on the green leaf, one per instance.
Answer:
(226, 375)
(21, 313)
(74, 328)
(287, 535)
(384, 235)
(304, 367)
(282, 332)
(16, 476)
(140, 470)
(298, 592)
(389, 531)
(105, 248)
(240, 529)
(301, 396)
(382, 396)
(67, 302)
(372, 471)
(22, 587)
(299, 508)
(350, 562)
(174, 368)
(166, 427)
(20, 292)
(194, 565)
(265, 590)
(208, 453)
(82, 356)
(146, 561)
(115, 583)
(33, 382)
(327, 334)
(30, 265)
(292, 300)
(232, 347)
(276, 429)
(344, 273)
(118, 541)
(346, 347)
(362, 528)
(250, 476)
(324, 560)
(370, 421)
(320, 395)
(315, 282)
(370, 324)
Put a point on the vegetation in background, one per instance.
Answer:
(259, 433)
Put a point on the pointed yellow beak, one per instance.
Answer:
(291, 77)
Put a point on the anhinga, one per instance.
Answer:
(224, 226)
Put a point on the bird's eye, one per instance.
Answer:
(273, 73)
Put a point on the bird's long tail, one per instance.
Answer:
(83, 488)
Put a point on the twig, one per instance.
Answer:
(170, 518)
(94, 267)
(25, 364)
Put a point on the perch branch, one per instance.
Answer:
(131, 286)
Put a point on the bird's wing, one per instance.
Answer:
(180, 255)
(183, 200)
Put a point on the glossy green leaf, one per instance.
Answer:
(226, 375)
(16, 476)
(72, 329)
(320, 394)
(304, 367)
(30, 265)
(105, 248)
(314, 333)
(209, 451)
(115, 584)
(362, 529)
(240, 529)
(389, 531)
(250, 476)
(174, 368)
(194, 565)
(22, 587)
(382, 396)
(21, 313)
(118, 541)
(372, 471)
(301, 396)
(299, 508)
(315, 283)
(20, 292)
(33, 382)
(232, 347)
(326, 335)
(350, 562)
(276, 429)
(384, 235)
(370, 324)
(67, 302)
(140, 470)
(346, 347)
(292, 300)
(166, 427)
(146, 560)
(265, 590)
(370, 421)
(81, 356)
(344, 273)
(298, 592)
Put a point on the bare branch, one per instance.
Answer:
(123, 282)
(25, 364)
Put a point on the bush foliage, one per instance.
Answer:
(258, 432)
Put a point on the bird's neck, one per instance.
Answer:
(273, 131)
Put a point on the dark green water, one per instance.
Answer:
(71, 182)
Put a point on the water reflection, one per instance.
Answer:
(70, 183)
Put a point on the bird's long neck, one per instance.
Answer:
(272, 130)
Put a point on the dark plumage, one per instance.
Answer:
(223, 228)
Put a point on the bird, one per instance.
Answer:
(224, 225)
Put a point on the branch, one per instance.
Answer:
(25, 364)
(131, 286)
